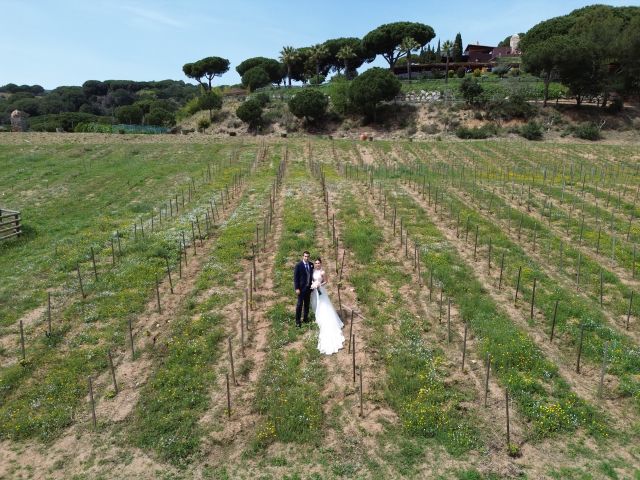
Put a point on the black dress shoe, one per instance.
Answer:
(298, 325)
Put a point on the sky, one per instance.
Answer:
(65, 42)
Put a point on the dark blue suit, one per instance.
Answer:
(302, 279)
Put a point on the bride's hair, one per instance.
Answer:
(318, 259)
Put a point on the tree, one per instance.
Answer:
(457, 48)
(584, 48)
(288, 55)
(335, 62)
(386, 39)
(210, 101)
(255, 77)
(346, 54)
(129, 114)
(447, 47)
(250, 112)
(309, 103)
(317, 54)
(271, 66)
(372, 87)
(407, 46)
(208, 68)
(160, 117)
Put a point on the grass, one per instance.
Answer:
(88, 328)
(167, 418)
(415, 376)
(289, 389)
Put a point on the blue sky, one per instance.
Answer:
(65, 42)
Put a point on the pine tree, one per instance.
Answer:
(457, 48)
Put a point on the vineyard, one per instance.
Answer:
(490, 293)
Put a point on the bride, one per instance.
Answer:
(330, 338)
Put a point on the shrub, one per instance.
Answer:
(587, 131)
(460, 72)
(515, 72)
(478, 133)
(309, 103)
(515, 106)
(430, 128)
(477, 72)
(250, 112)
(339, 94)
(262, 98)
(501, 71)
(203, 124)
(531, 131)
(160, 117)
(451, 73)
(372, 87)
(471, 91)
(66, 121)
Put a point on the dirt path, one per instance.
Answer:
(228, 436)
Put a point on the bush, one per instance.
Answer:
(203, 124)
(66, 121)
(309, 103)
(372, 87)
(477, 72)
(250, 112)
(262, 98)
(515, 106)
(531, 131)
(478, 133)
(339, 94)
(461, 72)
(587, 131)
(210, 101)
(160, 117)
(451, 73)
(471, 91)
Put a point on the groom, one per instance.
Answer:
(302, 278)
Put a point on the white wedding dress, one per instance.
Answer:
(330, 338)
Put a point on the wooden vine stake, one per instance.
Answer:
(22, 349)
(113, 372)
(133, 351)
(241, 334)
(580, 349)
(464, 346)
(93, 403)
(515, 302)
(353, 356)
(169, 274)
(93, 260)
(80, 281)
(486, 379)
(629, 311)
(233, 372)
(228, 397)
(49, 313)
(553, 323)
(506, 397)
(158, 294)
(603, 371)
(361, 393)
(533, 298)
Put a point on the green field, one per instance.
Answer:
(519, 257)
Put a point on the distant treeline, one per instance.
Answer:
(109, 101)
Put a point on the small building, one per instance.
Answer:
(19, 121)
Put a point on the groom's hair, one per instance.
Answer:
(306, 252)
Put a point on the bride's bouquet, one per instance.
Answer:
(315, 285)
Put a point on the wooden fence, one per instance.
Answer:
(9, 224)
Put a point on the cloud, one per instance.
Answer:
(155, 17)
